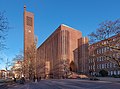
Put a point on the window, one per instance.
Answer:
(100, 58)
(114, 65)
(117, 45)
(97, 59)
(115, 72)
(113, 54)
(93, 60)
(108, 48)
(104, 58)
(29, 21)
(102, 50)
(104, 42)
(97, 51)
(97, 66)
(117, 55)
(108, 72)
(105, 49)
(89, 67)
(102, 66)
(118, 72)
(107, 65)
(114, 39)
(94, 67)
(111, 72)
(89, 60)
(110, 65)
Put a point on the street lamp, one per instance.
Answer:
(94, 65)
(6, 73)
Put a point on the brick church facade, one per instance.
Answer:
(29, 68)
(64, 50)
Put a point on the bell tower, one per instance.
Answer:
(29, 54)
(28, 30)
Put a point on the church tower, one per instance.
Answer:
(29, 54)
(28, 30)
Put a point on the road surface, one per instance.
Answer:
(68, 84)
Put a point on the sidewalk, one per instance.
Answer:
(5, 83)
(111, 79)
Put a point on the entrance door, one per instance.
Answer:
(72, 66)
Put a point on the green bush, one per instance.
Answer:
(116, 76)
(103, 73)
(94, 78)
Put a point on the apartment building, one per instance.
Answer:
(103, 56)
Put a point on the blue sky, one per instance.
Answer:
(83, 15)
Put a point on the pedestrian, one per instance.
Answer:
(22, 81)
(14, 79)
(40, 78)
(34, 79)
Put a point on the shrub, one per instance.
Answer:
(94, 78)
(103, 73)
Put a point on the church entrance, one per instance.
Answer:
(72, 66)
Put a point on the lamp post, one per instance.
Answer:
(6, 73)
(94, 65)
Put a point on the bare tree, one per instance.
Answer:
(106, 30)
(3, 30)
(61, 68)
(18, 60)
(58, 69)
(105, 33)
(30, 61)
(18, 57)
(40, 68)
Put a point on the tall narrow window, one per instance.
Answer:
(29, 21)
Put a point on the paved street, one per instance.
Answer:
(68, 84)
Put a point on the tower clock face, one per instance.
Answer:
(29, 30)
